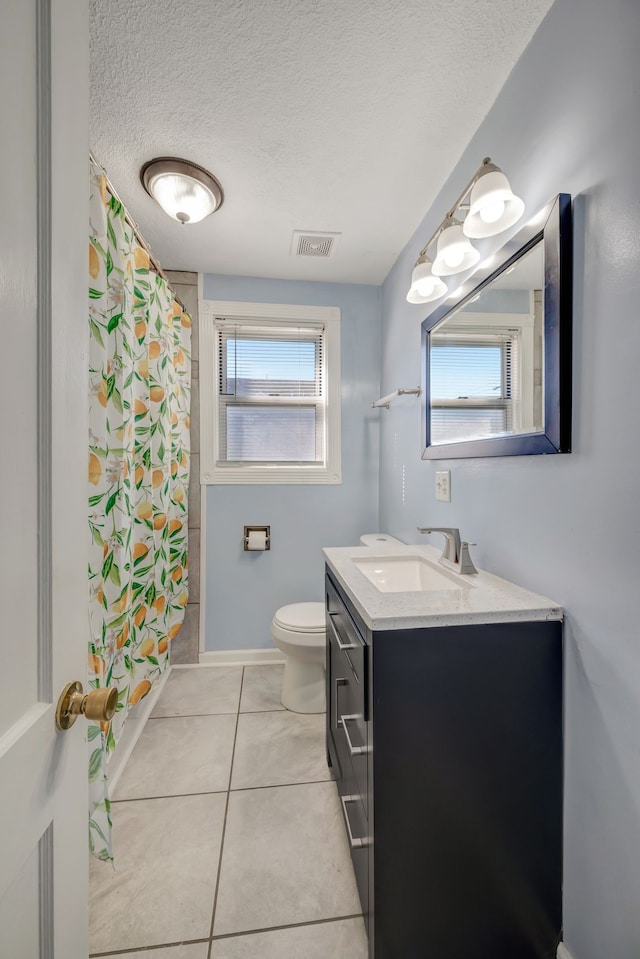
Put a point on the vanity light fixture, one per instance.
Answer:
(486, 207)
(185, 191)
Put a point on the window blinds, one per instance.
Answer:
(474, 384)
(271, 394)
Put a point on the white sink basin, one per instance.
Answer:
(407, 574)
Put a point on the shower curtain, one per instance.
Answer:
(139, 401)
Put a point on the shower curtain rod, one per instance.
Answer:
(138, 233)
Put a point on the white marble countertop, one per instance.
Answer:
(482, 598)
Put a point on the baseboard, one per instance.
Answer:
(563, 952)
(136, 721)
(241, 657)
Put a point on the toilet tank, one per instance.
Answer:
(380, 539)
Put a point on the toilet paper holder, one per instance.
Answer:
(257, 529)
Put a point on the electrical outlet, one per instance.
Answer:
(443, 486)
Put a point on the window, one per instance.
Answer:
(270, 393)
(474, 384)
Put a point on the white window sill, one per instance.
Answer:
(270, 476)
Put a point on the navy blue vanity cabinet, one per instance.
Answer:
(446, 745)
(348, 731)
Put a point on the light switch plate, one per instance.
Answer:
(443, 486)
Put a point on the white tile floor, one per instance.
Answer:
(227, 830)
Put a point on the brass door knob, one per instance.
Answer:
(97, 704)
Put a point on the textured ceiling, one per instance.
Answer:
(316, 115)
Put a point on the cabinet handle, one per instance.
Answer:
(342, 646)
(354, 750)
(339, 682)
(354, 842)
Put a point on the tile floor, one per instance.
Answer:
(228, 833)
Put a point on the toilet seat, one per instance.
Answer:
(305, 618)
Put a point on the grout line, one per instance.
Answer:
(143, 949)
(306, 782)
(231, 712)
(227, 935)
(224, 822)
(290, 925)
(220, 792)
(260, 712)
(204, 792)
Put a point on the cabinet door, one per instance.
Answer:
(468, 791)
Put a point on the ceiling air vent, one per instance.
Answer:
(313, 244)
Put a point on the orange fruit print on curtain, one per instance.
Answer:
(138, 473)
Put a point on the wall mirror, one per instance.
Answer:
(497, 358)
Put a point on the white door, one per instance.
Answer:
(43, 461)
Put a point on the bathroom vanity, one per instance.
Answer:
(444, 732)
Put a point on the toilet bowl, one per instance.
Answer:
(298, 631)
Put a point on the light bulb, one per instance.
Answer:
(492, 212)
(453, 256)
(454, 252)
(427, 286)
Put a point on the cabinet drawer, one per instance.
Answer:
(352, 762)
(357, 829)
(352, 736)
(347, 637)
(350, 659)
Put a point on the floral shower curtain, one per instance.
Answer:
(139, 400)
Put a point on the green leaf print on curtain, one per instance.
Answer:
(139, 401)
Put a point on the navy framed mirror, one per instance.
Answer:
(497, 361)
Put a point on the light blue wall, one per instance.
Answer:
(566, 526)
(243, 590)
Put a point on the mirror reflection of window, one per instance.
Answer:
(472, 385)
(485, 364)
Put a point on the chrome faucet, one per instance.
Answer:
(455, 553)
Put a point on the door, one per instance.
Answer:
(43, 463)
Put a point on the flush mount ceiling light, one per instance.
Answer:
(425, 287)
(486, 207)
(185, 191)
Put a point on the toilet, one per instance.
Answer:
(298, 630)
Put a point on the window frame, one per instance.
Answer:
(500, 327)
(214, 471)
